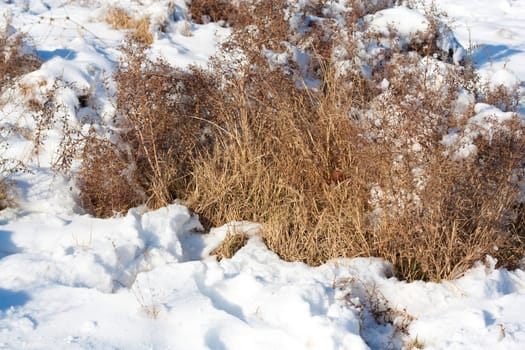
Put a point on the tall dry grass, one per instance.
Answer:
(295, 161)
(15, 60)
(289, 159)
(139, 28)
(344, 169)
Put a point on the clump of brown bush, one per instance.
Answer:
(4, 197)
(212, 11)
(468, 209)
(374, 309)
(231, 244)
(106, 181)
(139, 28)
(295, 161)
(341, 168)
(161, 123)
(290, 147)
(15, 60)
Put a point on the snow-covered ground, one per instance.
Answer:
(146, 280)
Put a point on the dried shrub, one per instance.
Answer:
(106, 182)
(15, 60)
(361, 8)
(161, 126)
(505, 98)
(459, 212)
(231, 244)
(349, 166)
(8, 167)
(375, 310)
(288, 160)
(436, 215)
(294, 160)
(212, 10)
(139, 28)
(5, 199)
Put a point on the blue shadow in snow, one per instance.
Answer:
(492, 53)
(10, 298)
(7, 247)
(64, 53)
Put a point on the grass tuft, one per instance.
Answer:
(139, 28)
(15, 60)
(231, 244)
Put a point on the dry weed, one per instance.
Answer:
(230, 245)
(161, 125)
(374, 309)
(106, 181)
(15, 60)
(288, 160)
(505, 98)
(5, 198)
(139, 28)
(204, 11)
(345, 169)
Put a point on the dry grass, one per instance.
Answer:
(5, 198)
(8, 167)
(293, 160)
(107, 183)
(161, 125)
(139, 28)
(374, 309)
(230, 245)
(212, 11)
(288, 147)
(342, 170)
(15, 60)
(466, 210)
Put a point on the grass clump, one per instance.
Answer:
(139, 28)
(161, 124)
(231, 244)
(5, 198)
(290, 161)
(15, 60)
(204, 11)
(109, 189)
(334, 162)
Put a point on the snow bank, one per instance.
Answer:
(71, 280)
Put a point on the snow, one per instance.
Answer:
(84, 282)
(147, 280)
(401, 20)
(493, 30)
(485, 122)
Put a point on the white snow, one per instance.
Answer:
(146, 280)
(401, 20)
(493, 33)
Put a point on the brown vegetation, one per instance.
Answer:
(344, 169)
(230, 245)
(139, 28)
(15, 60)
